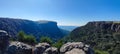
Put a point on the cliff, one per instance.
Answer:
(36, 28)
(102, 35)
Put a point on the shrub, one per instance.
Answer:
(100, 52)
(21, 35)
(58, 44)
(46, 39)
(29, 39)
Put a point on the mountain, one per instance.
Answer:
(101, 35)
(68, 28)
(36, 28)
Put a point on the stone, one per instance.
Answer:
(51, 50)
(75, 51)
(76, 48)
(4, 41)
(69, 46)
(41, 47)
(19, 48)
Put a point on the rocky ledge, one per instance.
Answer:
(45, 48)
(16, 47)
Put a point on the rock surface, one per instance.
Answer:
(44, 48)
(51, 50)
(4, 41)
(19, 48)
(75, 51)
(41, 47)
(76, 47)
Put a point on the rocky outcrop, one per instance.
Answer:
(76, 48)
(44, 48)
(4, 41)
(75, 51)
(19, 48)
(51, 50)
(111, 25)
(41, 47)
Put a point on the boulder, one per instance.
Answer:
(69, 46)
(51, 50)
(4, 41)
(75, 51)
(76, 48)
(19, 48)
(41, 47)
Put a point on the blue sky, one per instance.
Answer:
(65, 12)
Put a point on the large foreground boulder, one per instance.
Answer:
(75, 51)
(19, 48)
(51, 50)
(45, 48)
(4, 41)
(76, 48)
(41, 47)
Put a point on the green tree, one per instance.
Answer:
(58, 44)
(46, 39)
(117, 36)
(21, 35)
(29, 39)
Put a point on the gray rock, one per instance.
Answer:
(41, 47)
(4, 41)
(19, 48)
(75, 51)
(51, 50)
(76, 48)
(69, 46)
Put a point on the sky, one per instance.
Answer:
(64, 12)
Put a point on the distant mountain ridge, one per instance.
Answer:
(68, 28)
(36, 28)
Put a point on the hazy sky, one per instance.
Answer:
(65, 12)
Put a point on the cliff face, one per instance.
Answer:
(41, 28)
(103, 35)
(109, 25)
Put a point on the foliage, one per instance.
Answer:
(22, 37)
(100, 52)
(102, 37)
(58, 44)
(116, 36)
(46, 39)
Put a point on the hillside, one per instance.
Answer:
(101, 35)
(36, 28)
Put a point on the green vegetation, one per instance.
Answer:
(46, 39)
(101, 36)
(58, 44)
(29, 39)
(100, 52)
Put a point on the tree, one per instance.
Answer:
(29, 39)
(58, 44)
(21, 35)
(46, 39)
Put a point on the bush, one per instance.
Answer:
(58, 44)
(100, 52)
(46, 39)
(29, 39)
